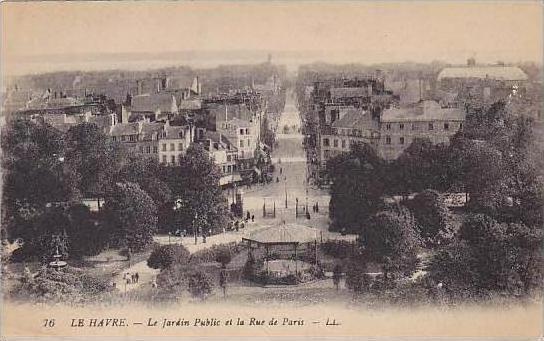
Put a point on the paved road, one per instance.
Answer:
(290, 162)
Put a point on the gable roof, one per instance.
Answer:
(503, 73)
(152, 102)
(174, 132)
(125, 129)
(355, 118)
(151, 128)
(423, 111)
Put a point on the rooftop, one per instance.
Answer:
(125, 129)
(285, 234)
(152, 102)
(423, 111)
(354, 118)
(503, 73)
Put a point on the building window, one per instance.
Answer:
(248, 143)
(141, 149)
(343, 143)
(247, 131)
(242, 153)
(123, 138)
(388, 126)
(335, 143)
(229, 168)
(388, 140)
(461, 125)
(241, 143)
(173, 159)
(431, 126)
(224, 169)
(164, 159)
(148, 149)
(326, 143)
(114, 138)
(401, 140)
(234, 168)
(414, 126)
(180, 146)
(446, 126)
(131, 138)
(241, 131)
(155, 149)
(164, 147)
(401, 126)
(172, 147)
(229, 158)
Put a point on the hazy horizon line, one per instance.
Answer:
(211, 58)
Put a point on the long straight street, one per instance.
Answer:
(289, 184)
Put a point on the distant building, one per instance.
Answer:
(244, 136)
(224, 155)
(485, 84)
(174, 142)
(353, 126)
(427, 119)
(155, 107)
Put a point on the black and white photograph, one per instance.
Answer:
(272, 168)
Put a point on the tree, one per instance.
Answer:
(357, 187)
(223, 255)
(357, 278)
(164, 256)
(132, 216)
(199, 284)
(390, 238)
(490, 257)
(196, 184)
(432, 217)
(34, 179)
(91, 158)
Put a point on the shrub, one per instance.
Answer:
(199, 284)
(164, 256)
(68, 285)
(338, 248)
(210, 254)
(223, 255)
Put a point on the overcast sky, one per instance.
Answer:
(355, 31)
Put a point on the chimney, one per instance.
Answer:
(125, 114)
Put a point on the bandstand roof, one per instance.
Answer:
(284, 234)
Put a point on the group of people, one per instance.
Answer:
(131, 278)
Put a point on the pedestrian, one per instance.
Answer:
(248, 216)
(252, 218)
(242, 225)
(132, 278)
(281, 170)
(137, 276)
(236, 225)
(154, 283)
(277, 179)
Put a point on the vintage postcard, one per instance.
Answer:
(302, 169)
